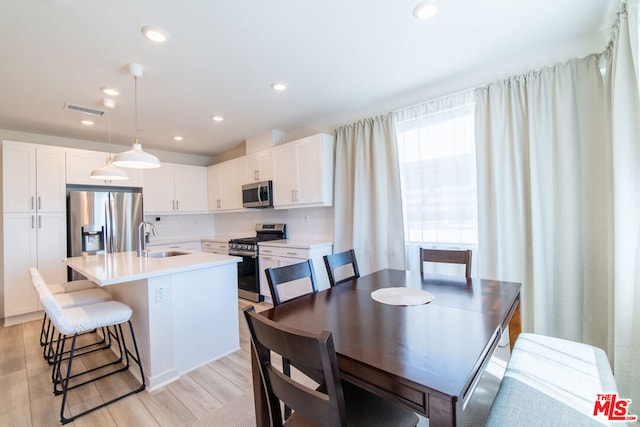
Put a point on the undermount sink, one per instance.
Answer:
(166, 254)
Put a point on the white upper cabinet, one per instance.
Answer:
(303, 172)
(259, 166)
(175, 188)
(33, 177)
(80, 164)
(190, 188)
(225, 181)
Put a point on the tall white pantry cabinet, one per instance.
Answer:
(33, 222)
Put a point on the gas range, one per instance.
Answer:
(264, 232)
(247, 249)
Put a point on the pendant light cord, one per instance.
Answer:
(109, 133)
(135, 94)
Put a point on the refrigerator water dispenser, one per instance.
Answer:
(92, 239)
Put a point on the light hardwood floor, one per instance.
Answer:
(26, 397)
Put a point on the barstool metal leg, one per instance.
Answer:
(125, 356)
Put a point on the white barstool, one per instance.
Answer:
(59, 288)
(71, 322)
(67, 295)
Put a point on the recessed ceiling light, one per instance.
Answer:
(425, 9)
(279, 86)
(217, 118)
(155, 34)
(178, 138)
(110, 91)
(109, 103)
(86, 122)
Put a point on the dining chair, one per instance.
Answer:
(334, 402)
(288, 273)
(340, 259)
(447, 256)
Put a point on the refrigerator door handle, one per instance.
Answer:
(109, 224)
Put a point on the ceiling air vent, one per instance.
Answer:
(85, 110)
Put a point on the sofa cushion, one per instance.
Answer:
(550, 381)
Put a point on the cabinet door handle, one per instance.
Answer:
(256, 175)
(218, 203)
(292, 253)
(33, 221)
(266, 250)
(39, 221)
(32, 202)
(177, 205)
(173, 205)
(39, 202)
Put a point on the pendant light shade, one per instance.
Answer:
(136, 158)
(109, 172)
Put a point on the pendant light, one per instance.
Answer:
(136, 158)
(109, 172)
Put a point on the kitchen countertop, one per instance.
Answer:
(296, 243)
(109, 269)
(224, 238)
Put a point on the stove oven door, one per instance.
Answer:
(248, 279)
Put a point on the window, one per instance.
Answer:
(436, 146)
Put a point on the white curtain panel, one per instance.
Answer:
(558, 154)
(368, 205)
(622, 88)
(544, 202)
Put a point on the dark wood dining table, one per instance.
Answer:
(426, 357)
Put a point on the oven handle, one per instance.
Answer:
(243, 253)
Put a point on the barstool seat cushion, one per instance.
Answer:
(88, 296)
(73, 286)
(85, 318)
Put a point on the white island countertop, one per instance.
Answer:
(109, 269)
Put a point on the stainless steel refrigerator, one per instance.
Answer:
(102, 219)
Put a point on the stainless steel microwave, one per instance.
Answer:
(257, 195)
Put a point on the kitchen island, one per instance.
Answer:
(185, 306)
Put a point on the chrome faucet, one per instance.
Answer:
(141, 240)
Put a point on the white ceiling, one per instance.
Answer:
(342, 60)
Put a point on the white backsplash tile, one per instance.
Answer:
(304, 223)
(170, 226)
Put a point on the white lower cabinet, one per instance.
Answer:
(31, 240)
(215, 247)
(273, 255)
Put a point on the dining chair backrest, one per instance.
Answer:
(288, 273)
(324, 406)
(340, 259)
(448, 256)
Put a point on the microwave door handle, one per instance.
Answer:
(259, 195)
